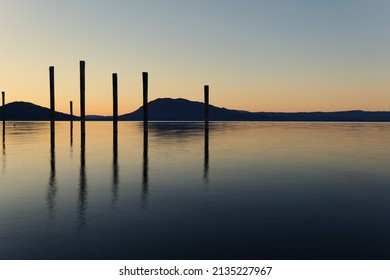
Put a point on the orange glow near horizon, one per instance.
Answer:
(287, 96)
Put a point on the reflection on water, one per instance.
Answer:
(274, 191)
(83, 192)
(176, 130)
(4, 155)
(71, 138)
(71, 133)
(52, 189)
(145, 170)
(206, 156)
(115, 168)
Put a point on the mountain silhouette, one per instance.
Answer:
(168, 109)
(25, 111)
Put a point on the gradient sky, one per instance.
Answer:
(257, 55)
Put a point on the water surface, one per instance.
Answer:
(244, 190)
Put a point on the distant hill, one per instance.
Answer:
(168, 109)
(25, 111)
(341, 116)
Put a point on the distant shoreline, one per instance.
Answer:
(182, 110)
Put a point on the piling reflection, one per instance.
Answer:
(52, 188)
(71, 138)
(52, 135)
(206, 158)
(82, 199)
(145, 170)
(115, 168)
(3, 145)
(71, 133)
(178, 130)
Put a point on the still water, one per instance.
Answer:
(244, 190)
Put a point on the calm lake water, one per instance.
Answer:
(247, 190)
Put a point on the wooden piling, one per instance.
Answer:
(71, 110)
(82, 96)
(206, 134)
(115, 137)
(206, 106)
(71, 122)
(3, 106)
(52, 108)
(115, 101)
(145, 98)
(52, 100)
(3, 117)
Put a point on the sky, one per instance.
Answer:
(256, 55)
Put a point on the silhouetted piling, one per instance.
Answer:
(83, 177)
(3, 119)
(145, 98)
(206, 106)
(115, 171)
(52, 100)
(71, 110)
(82, 96)
(206, 134)
(3, 104)
(115, 101)
(71, 122)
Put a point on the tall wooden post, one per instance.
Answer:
(52, 100)
(71, 122)
(82, 96)
(145, 98)
(71, 110)
(52, 108)
(206, 106)
(3, 105)
(83, 177)
(115, 101)
(145, 177)
(3, 118)
(115, 169)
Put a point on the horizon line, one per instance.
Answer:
(181, 98)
